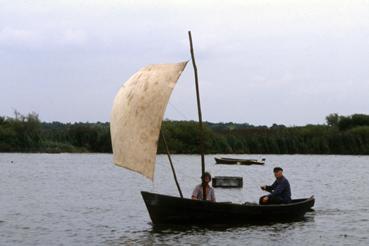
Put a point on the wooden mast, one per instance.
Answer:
(200, 118)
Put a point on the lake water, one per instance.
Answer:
(83, 199)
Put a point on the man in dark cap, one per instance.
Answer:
(280, 191)
(209, 191)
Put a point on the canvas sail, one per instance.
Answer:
(137, 115)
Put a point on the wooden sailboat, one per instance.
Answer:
(137, 116)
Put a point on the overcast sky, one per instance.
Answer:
(261, 62)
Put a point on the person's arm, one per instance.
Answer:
(195, 193)
(212, 195)
(279, 189)
(272, 187)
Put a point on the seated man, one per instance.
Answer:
(209, 191)
(280, 191)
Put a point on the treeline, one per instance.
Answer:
(28, 134)
(341, 135)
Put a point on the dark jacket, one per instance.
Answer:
(281, 189)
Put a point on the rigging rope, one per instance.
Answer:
(178, 111)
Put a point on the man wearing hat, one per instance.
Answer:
(280, 191)
(209, 191)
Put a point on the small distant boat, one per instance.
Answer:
(227, 182)
(233, 161)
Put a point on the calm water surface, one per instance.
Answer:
(82, 199)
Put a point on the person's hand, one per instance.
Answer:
(265, 199)
(263, 187)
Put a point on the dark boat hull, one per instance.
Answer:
(165, 209)
(251, 162)
(232, 161)
(225, 161)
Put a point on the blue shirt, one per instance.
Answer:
(281, 189)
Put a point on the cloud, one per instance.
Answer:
(272, 60)
(12, 36)
(73, 37)
(28, 38)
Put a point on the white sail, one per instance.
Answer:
(137, 115)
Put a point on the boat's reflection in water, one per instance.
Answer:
(309, 217)
(213, 234)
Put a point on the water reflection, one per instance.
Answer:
(178, 234)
